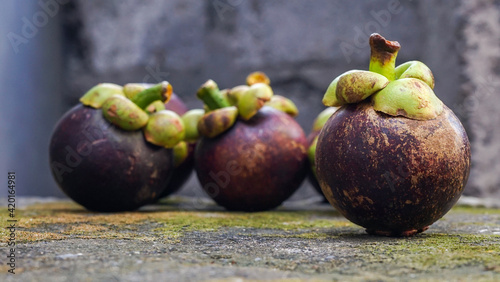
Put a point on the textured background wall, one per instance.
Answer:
(301, 45)
(481, 82)
(31, 94)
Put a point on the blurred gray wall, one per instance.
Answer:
(30, 96)
(301, 45)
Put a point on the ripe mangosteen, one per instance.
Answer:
(252, 153)
(393, 159)
(109, 155)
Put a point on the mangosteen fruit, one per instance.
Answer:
(252, 153)
(393, 159)
(108, 154)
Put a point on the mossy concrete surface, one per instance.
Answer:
(176, 240)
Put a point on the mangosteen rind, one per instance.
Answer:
(103, 167)
(256, 164)
(392, 174)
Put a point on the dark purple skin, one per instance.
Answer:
(310, 174)
(183, 172)
(104, 168)
(256, 164)
(392, 175)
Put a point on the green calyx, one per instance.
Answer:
(96, 96)
(311, 153)
(223, 107)
(123, 113)
(161, 91)
(139, 106)
(126, 106)
(164, 128)
(217, 121)
(234, 94)
(132, 89)
(353, 87)
(211, 96)
(408, 97)
(191, 119)
(405, 90)
(181, 152)
(322, 118)
(415, 69)
(258, 77)
(318, 124)
(283, 104)
(156, 106)
(254, 99)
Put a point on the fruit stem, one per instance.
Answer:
(161, 91)
(383, 56)
(210, 94)
(258, 77)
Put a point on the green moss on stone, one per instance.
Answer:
(474, 210)
(434, 251)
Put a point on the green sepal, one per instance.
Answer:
(311, 154)
(132, 89)
(283, 104)
(123, 113)
(191, 119)
(217, 121)
(415, 69)
(181, 152)
(353, 87)
(253, 99)
(234, 94)
(408, 97)
(156, 106)
(98, 94)
(164, 128)
(323, 117)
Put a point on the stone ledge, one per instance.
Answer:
(302, 240)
